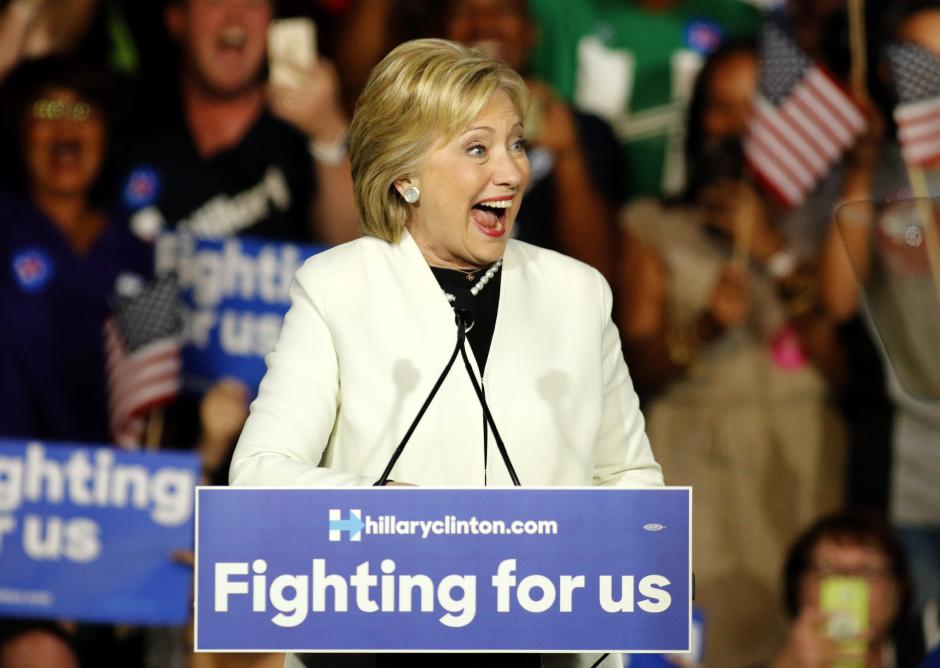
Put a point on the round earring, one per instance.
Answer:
(411, 194)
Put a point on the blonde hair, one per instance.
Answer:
(422, 93)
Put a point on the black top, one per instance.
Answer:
(482, 307)
(53, 305)
(263, 186)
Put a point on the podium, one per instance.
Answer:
(424, 569)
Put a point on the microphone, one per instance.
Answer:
(465, 321)
(464, 318)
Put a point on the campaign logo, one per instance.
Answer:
(33, 269)
(352, 525)
(128, 285)
(142, 188)
(703, 36)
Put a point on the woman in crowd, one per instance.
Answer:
(64, 255)
(727, 337)
(862, 548)
(440, 167)
(64, 258)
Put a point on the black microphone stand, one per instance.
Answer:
(464, 322)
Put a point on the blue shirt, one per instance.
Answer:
(53, 304)
(932, 660)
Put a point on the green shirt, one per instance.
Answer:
(635, 68)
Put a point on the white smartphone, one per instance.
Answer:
(292, 45)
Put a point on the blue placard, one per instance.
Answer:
(234, 293)
(87, 533)
(395, 569)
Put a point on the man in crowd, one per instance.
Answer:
(233, 155)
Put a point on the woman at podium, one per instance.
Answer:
(437, 145)
(364, 384)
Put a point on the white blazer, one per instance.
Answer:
(367, 334)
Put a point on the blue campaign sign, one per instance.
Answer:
(386, 569)
(87, 532)
(234, 293)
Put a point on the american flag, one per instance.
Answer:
(802, 122)
(916, 74)
(142, 352)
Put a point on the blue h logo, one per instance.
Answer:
(353, 524)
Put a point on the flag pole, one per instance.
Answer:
(154, 429)
(857, 45)
(925, 208)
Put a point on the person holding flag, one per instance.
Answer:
(728, 340)
(64, 255)
(896, 266)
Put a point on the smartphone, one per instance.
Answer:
(845, 600)
(292, 45)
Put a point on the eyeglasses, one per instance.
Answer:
(825, 569)
(56, 110)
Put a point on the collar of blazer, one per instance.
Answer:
(434, 306)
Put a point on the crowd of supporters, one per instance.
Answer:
(785, 377)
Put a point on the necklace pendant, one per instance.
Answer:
(479, 285)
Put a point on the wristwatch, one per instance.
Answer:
(330, 153)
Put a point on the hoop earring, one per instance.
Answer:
(411, 194)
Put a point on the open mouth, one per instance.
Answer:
(66, 152)
(490, 216)
(232, 38)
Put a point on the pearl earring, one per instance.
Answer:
(411, 194)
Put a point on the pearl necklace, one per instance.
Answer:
(485, 278)
(479, 285)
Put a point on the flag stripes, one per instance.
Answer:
(916, 72)
(802, 120)
(142, 356)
